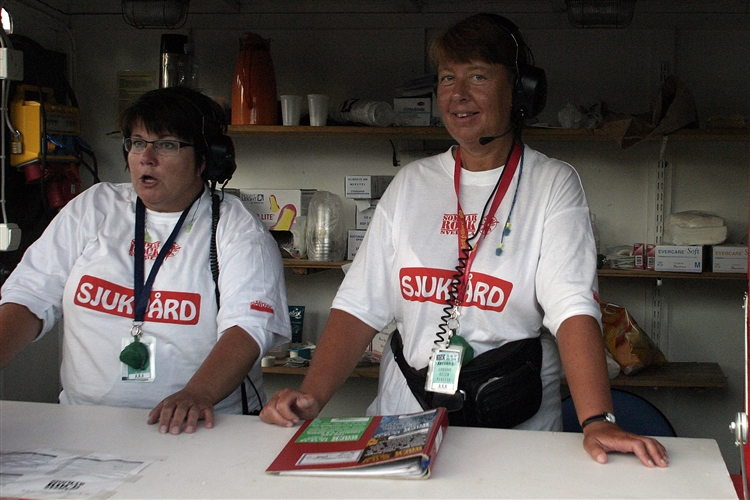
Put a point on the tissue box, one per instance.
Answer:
(355, 237)
(366, 186)
(729, 259)
(413, 111)
(676, 258)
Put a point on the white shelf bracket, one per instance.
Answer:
(661, 197)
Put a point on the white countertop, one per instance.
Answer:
(229, 461)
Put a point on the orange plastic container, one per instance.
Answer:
(254, 85)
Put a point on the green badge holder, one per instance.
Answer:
(135, 355)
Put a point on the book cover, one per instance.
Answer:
(393, 446)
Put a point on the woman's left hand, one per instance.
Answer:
(183, 408)
(601, 438)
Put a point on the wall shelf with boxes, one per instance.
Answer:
(673, 374)
(439, 133)
(637, 273)
(302, 266)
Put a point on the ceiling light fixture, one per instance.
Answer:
(155, 13)
(600, 13)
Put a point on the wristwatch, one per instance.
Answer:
(606, 417)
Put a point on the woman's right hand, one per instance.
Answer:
(288, 407)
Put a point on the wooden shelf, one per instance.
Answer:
(301, 266)
(688, 375)
(340, 132)
(362, 371)
(439, 133)
(676, 374)
(637, 273)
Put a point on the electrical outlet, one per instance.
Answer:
(11, 64)
(10, 237)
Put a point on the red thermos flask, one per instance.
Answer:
(254, 85)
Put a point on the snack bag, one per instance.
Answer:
(630, 346)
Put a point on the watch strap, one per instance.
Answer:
(603, 417)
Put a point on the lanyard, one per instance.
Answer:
(141, 290)
(482, 225)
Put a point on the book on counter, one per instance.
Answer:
(390, 446)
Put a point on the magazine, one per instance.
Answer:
(392, 446)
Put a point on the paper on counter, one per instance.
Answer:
(47, 473)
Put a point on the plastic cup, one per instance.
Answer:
(318, 104)
(291, 107)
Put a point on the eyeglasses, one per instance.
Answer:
(162, 147)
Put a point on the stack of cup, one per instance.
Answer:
(324, 234)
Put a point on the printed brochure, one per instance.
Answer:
(393, 446)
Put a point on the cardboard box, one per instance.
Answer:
(284, 212)
(365, 211)
(639, 250)
(354, 240)
(679, 258)
(366, 186)
(650, 256)
(277, 208)
(380, 341)
(413, 111)
(729, 259)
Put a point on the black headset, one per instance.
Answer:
(530, 86)
(220, 163)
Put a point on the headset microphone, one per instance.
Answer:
(486, 140)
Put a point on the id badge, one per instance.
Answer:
(443, 370)
(147, 374)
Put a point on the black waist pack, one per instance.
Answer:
(500, 388)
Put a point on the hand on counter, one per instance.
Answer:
(182, 411)
(601, 438)
(287, 407)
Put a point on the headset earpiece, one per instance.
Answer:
(530, 87)
(220, 163)
(529, 92)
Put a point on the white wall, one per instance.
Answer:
(368, 55)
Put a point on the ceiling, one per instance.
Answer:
(92, 7)
(710, 14)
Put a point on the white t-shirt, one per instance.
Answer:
(545, 273)
(82, 268)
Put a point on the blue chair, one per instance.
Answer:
(634, 414)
